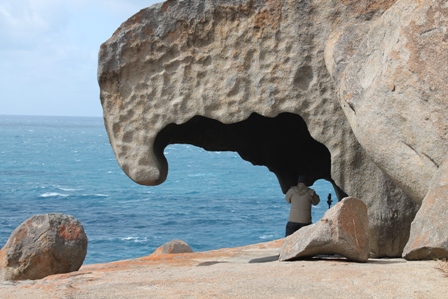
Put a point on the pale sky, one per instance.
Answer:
(49, 50)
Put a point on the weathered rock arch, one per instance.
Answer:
(176, 66)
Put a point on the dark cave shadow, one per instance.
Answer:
(283, 144)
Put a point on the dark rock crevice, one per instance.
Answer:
(282, 144)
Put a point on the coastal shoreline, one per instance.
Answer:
(244, 272)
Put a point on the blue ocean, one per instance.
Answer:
(66, 165)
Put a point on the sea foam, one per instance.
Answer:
(53, 194)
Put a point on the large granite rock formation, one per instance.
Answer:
(43, 245)
(391, 79)
(344, 230)
(247, 76)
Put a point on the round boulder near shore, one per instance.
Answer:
(172, 247)
(43, 245)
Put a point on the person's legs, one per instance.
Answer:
(292, 227)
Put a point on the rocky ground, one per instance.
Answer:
(246, 272)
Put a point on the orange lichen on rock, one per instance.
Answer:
(367, 6)
(44, 245)
(69, 232)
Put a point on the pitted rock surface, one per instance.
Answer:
(246, 76)
(343, 230)
(223, 60)
(43, 245)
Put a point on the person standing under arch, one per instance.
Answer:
(301, 198)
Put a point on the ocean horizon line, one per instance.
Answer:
(42, 115)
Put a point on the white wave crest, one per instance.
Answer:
(93, 195)
(135, 239)
(53, 194)
(67, 189)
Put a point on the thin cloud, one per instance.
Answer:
(48, 53)
(25, 22)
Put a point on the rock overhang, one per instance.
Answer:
(223, 61)
(164, 74)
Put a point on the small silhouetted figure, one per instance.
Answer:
(329, 201)
(301, 198)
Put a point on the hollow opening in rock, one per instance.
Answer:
(283, 144)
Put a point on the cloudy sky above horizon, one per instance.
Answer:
(49, 50)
